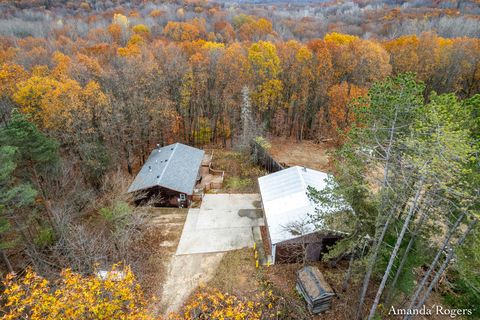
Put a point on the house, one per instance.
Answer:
(169, 176)
(289, 235)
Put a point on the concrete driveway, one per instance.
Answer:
(224, 222)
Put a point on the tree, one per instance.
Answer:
(10, 75)
(13, 195)
(403, 53)
(380, 122)
(425, 152)
(35, 157)
(339, 115)
(265, 65)
(182, 31)
(114, 296)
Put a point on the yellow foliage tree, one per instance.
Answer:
(264, 60)
(133, 47)
(10, 75)
(31, 93)
(73, 296)
(340, 38)
(265, 65)
(62, 106)
(403, 53)
(142, 30)
(268, 93)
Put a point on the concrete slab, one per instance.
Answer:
(215, 240)
(224, 222)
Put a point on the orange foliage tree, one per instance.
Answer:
(338, 116)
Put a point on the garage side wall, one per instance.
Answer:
(310, 247)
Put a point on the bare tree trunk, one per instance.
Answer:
(372, 260)
(46, 202)
(393, 255)
(349, 272)
(435, 260)
(7, 261)
(444, 266)
(378, 241)
(405, 255)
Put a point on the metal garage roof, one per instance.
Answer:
(285, 199)
(174, 167)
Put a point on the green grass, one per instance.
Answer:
(238, 184)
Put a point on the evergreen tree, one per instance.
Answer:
(26, 156)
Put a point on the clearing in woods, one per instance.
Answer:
(305, 153)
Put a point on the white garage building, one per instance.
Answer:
(286, 205)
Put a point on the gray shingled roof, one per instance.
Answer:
(174, 167)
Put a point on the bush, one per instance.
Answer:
(74, 296)
(262, 142)
(117, 215)
(45, 237)
(211, 303)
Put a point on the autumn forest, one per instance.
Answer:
(87, 89)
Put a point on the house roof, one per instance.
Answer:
(285, 200)
(174, 167)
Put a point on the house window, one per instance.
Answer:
(182, 197)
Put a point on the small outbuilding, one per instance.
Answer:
(289, 236)
(314, 289)
(169, 176)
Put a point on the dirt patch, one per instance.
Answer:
(236, 273)
(305, 153)
(284, 278)
(185, 274)
(157, 246)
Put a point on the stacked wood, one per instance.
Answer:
(315, 290)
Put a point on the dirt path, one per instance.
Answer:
(185, 274)
(159, 244)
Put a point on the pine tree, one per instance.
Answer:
(27, 156)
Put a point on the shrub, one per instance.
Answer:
(74, 296)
